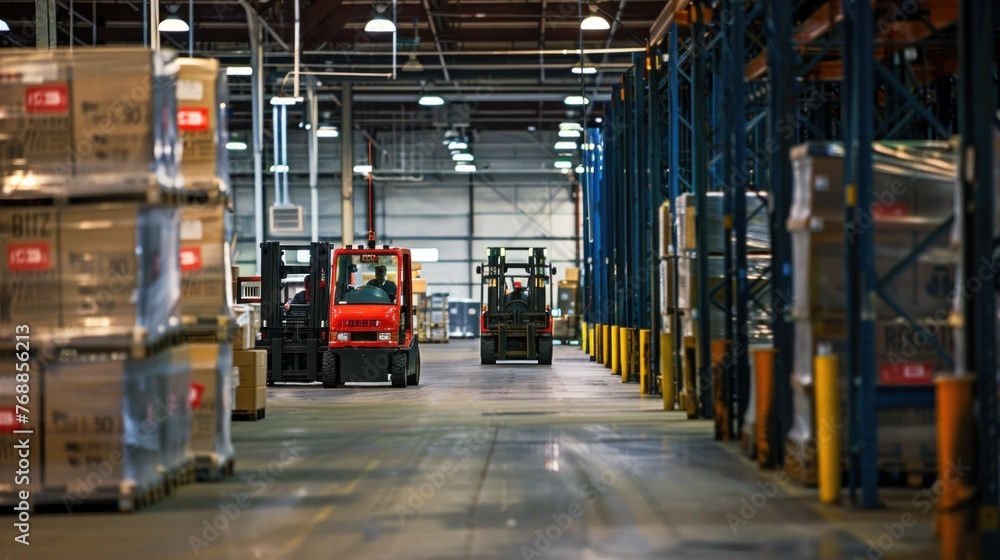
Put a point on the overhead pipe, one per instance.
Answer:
(249, 9)
(508, 52)
(437, 41)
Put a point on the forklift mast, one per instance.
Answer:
(274, 271)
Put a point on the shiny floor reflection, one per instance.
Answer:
(510, 461)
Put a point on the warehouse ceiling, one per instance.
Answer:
(498, 64)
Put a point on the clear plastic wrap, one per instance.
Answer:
(212, 387)
(87, 122)
(103, 416)
(912, 189)
(201, 121)
(206, 277)
(100, 276)
(173, 387)
(8, 423)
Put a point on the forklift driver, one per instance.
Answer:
(301, 297)
(380, 282)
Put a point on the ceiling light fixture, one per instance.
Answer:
(462, 156)
(327, 132)
(570, 125)
(565, 145)
(363, 169)
(4, 26)
(568, 133)
(236, 146)
(379, 23)
(458, 145)
(465, 168)
(576, 100)
(173, 24)
(563, 164)
(586, 68)
(413, 65)
(239, 71)
(282, 100)
(431, 100)
(594, 22)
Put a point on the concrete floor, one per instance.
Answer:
(510, 461)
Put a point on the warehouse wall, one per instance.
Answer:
(517, 199)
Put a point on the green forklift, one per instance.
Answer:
(516, 295)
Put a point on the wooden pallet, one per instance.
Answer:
(214, 328)
(141, 189)
(102, 499)
(212, 466)
(133, 343)
(248, 415)
(180, 475)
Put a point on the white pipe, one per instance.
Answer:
(154, 22)
(275, 149)
(285, 199)
(298, 49)
(313, 159)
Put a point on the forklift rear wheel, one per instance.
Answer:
(488, 350)
(398, 370)
(329, 373)
(545, 351)
(414, 378)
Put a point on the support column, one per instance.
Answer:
(45, 24)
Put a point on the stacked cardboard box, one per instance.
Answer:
(913, 191)
(251, 388)
(87, 122)
(90, 229)
(211, 404)
(206, 270)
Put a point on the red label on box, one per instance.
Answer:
(192, 119)
(29, 257)
(190, 259)
(8, 423)
(52, 98)
(894, 210)
(910, 373)
(195, 393)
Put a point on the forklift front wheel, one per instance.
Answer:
(488, 350)
(398, 370)
(329, 373)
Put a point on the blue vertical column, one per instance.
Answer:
(644, 260)
(978, 100)
(655, 154)
(778, 31)
(699, 175)
(860, 242)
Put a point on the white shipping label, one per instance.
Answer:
(190, 90)
(191, 230)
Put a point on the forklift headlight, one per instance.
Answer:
(384, 336)
(343, 337)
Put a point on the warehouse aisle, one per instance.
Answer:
(508, 461)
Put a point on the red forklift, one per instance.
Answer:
(372, 338)
(516, 296)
